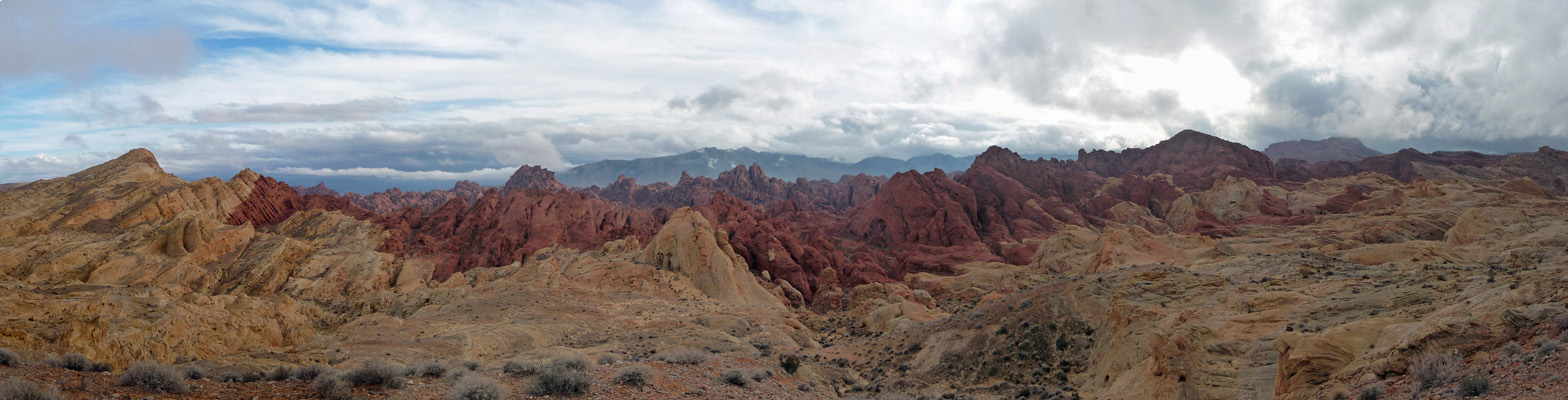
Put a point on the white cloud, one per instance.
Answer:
(492, 84)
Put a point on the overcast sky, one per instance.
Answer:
(424, 93)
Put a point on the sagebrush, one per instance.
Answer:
(155, 377)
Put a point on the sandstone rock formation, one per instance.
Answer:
(1116, 277)
(687, 244)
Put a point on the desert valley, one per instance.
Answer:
(1196, 268)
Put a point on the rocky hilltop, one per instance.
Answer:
(1196, 268)
(1330, 149)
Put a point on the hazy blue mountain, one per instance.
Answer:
(710, 162)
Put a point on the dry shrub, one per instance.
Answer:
(155, 377)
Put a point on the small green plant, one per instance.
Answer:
(734, 377)
(154, 377)
(635, 375)
(1475, 385)
(20, 389)
(478, 387)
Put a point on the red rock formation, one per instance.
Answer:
(1193, 159)
(913, 208)
(750, 184)
(499, 229)
(273, 201)
(269, 203)
(532, 177)
(394, 200)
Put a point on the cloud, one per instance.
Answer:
(353, 110)
(417, 86)
(67, 40)
(489, 174)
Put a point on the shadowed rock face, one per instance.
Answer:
(1193, 159)
(1330, 149)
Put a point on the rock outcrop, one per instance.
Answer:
(687, 244)
(394, 200)
(532, 177)
(1312, 151)
(1193, 159)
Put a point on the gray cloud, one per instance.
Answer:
(65, 40)
(353, 110)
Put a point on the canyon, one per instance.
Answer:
(1195, 268)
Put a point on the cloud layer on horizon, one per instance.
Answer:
(412, 90)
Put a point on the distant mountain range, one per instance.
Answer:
(711, 161)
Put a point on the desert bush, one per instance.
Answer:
(557, 379)
(764, 345)
(521, 368)
(789, 362)
(685, 355)
(478, 387)
(734, 377)
(1548, 346)
(331, 386)
(1512, 348)
(1561, 320)
(310, 372)
(99, 367)
(635, 375)
(376, 373)
(572, 362)
(1475, 385)
(281, 373)
(20, 389)
(760, 374)
(470, 365)
(431, 370)
(154, 377)
(1435, 368)
(9, 358)
(195, 372)
(76, 362)
(608, 359)
(1374, 392)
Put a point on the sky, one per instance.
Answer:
(370, 94)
